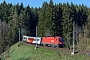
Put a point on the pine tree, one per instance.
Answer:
(13, 26)
(42, 19)
(66, 21)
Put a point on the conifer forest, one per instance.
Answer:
(51, 20)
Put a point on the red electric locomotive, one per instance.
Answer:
(53, 41)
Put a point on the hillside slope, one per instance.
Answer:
(25, 52)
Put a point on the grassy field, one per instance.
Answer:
(24, 52)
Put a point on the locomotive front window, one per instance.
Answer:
(61, 40)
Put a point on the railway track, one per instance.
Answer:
(59, 49)
(48, 47)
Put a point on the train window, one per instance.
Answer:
(35, 39)
(56, 39)
(24, 38)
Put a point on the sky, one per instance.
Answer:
(38, 3)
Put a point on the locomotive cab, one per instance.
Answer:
(61, 42)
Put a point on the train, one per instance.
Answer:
(56, 41)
